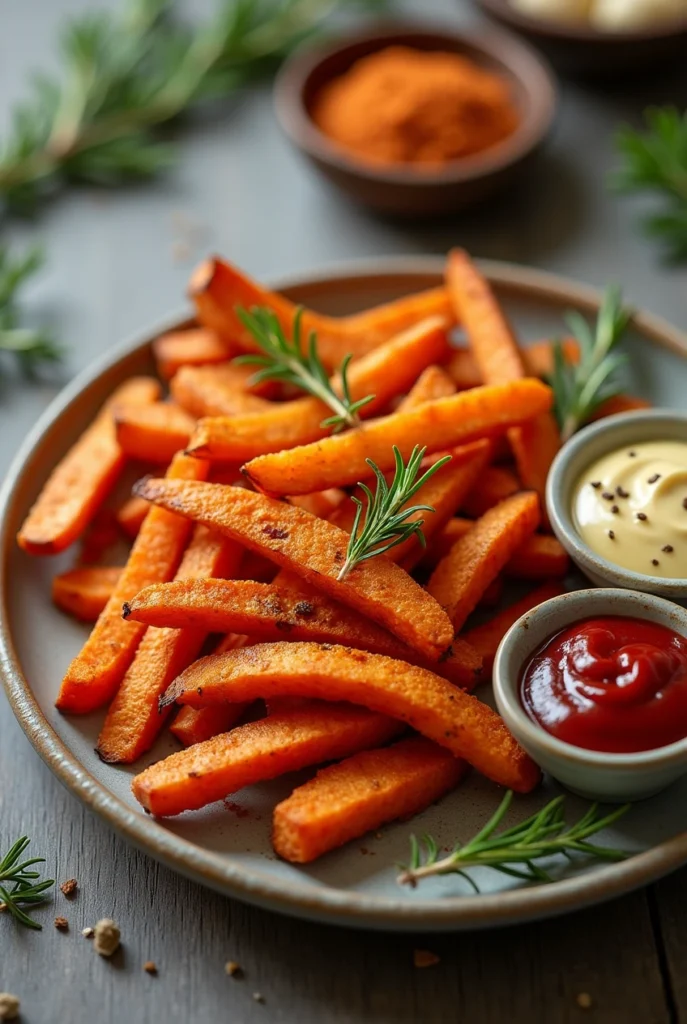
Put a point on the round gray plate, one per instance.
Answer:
(227, 846)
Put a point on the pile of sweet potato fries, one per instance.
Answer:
(238, 541)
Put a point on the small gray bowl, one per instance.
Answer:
(613, 778)
(575, 456)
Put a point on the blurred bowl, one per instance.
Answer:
(585, 51)
(402, 190)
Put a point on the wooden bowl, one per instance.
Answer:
(405, 191)
(586, 52)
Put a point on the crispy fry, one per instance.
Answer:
(492, 595)
(535, 445)
(282, 611)
(618, 404)
(195, 725)
(537, 359)
(320, 503)
(384, 372)
(461, 578)
(539, 558)
(432, 383)
(340, 460)
(134, 719)
(222, 390)
(193, 347)
(376, 325)
(83, 478)
(495, 484)
(131, 514)
(314, 549)
(365, 791)
(84, 593)
(283, 742)
(487, 637)
(96, 672)
(153, 433)
(434, 707)
(101, 534)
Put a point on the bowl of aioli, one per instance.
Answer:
(617, 501)
(593, 684)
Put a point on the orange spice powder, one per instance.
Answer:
(419, 107)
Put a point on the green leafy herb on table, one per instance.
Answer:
(579, 389)
(126, 74)
(655, 161)
(29, 347)
(290, 362)
(516, 850)
(388, 517)
(19, 885)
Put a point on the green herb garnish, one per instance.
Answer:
(514, 851)
(18, 885)
(29, 347)
(388, 517)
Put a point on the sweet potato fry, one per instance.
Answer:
(282, 612)
(384, 372)
(433, 707)
(83, 478)
(365, 791)
(487, 637)
(495, 484)
(315, 550)
(537, 359)
(432, 383)
(153, 433)
(320, 503)
(134, 719)
(340, 460)
(492, 595)
(378, 324)
(618, 404)
(84, 593)
(101, 534)
(222, 390)
(283, 742)
(95, 673)
(131, 514)
(194, 347)
(539, 558)
(195, 725)
(461, 578)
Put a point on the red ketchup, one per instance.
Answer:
(612, 684)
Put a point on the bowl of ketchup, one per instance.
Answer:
(594, 686)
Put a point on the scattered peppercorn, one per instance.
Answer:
(106, 937)
(642, 516)
(608, 495)
(596, 484)
(654, 561)
(62, 924)
(652, 479)
(611, 534)
(633, 455)
(233, 969)
(668, 548)
(621, 492)
(424, 958)
(9, 1006)
(615, 510)
(150, 967)
(69, 887)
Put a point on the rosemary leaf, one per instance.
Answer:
(30, 348)
(19, 886)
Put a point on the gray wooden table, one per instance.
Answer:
(120, 262)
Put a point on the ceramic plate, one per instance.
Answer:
(227, 846)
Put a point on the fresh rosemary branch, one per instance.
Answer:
(290, 362)
(388, 519)
(655, 161)
(29, 347)
(514, 851)
(128, 73)
(18, 885)
(580, 389)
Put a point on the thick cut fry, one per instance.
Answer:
(340, 460)
(535, 445)
(81, 481)
(428, 703)
(365, 791)
(539, 558)
(376, 325)
(495, 484)
(537, 359)
(492, 595)
(461, 578)
(101, 534)
(153, 433)
(315, 550)
(84, 593)
(284, 742)
(432, 383)
(217, 390)
(282, 612)
(134, 719)
(618, 404)
(131, 514)
(195, 725)
(321, 503)
(96, 672)
(487, 637)
(386, 371)
(194, 347)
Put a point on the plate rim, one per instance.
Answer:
(250, 884)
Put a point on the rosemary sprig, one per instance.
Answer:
(18, 885)
(126, 74)
(29, 347)
(655, 161)
(388, 519)
(291, 362)
(580, 389)
(514, 851)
